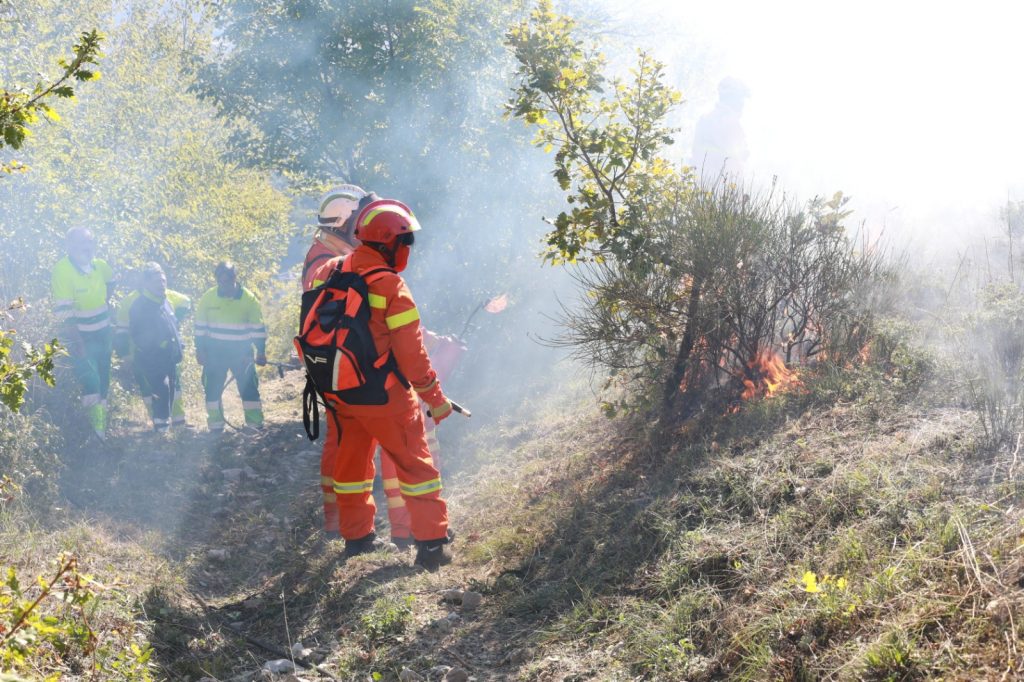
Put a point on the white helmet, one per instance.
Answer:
(336, 206)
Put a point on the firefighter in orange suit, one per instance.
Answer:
(338, 208)
(335, 224)
(386, 229)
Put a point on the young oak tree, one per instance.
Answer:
(20, 107)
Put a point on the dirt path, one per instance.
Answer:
(238, 518)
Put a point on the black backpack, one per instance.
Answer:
(337, 348)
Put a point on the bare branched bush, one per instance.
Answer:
(725, 277)
(991, 352)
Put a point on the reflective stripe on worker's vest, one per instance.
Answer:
(378, 301)
(90, 320)
(420, 488)
(93, 312)
(390, 484)
(402, 319)
(355, 488)
(231, 331)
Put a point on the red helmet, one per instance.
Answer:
(383, 220)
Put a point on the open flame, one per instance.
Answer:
(766, 375)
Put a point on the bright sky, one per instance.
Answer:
(916, 109)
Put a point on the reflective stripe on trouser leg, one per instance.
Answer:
(253, 412)
(214, 416)
(177, 406)
(215, 373)
(398, 513)
(327, 454)
(352, 478)
(402, 435)
(96, 409)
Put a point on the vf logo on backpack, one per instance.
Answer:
(337, 348)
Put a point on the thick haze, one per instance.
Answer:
(915, 109)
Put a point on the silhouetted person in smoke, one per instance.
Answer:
(719, 143)
(158, 350)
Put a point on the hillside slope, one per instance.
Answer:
(836, 533)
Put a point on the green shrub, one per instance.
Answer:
(387, 618)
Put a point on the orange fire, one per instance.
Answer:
(767, 375)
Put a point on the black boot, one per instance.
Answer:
(365, 545)
(433, 554)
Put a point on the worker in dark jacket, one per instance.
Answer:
(154, 331)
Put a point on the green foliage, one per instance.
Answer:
(388, 617)
(607, 134)
(15, 374)
(20, 107)
(375, 90)
(47, 625)
(142, 162)
(25, 629)
(892, 659)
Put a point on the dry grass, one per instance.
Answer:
(603, 551)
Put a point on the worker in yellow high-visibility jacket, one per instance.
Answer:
(229, 324)
(82, 285)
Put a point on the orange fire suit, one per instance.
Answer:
(318, 254)
(313, 275)
(315, 270)
(397, 426)
(444, 352)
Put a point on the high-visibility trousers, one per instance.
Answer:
(91, 365)
(398, 513)
(215, 374)
(403, 436)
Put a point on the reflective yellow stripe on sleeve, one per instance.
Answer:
(402, 319)
(378, 301)
(424, 389)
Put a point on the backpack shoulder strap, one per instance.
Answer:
(376, 273)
